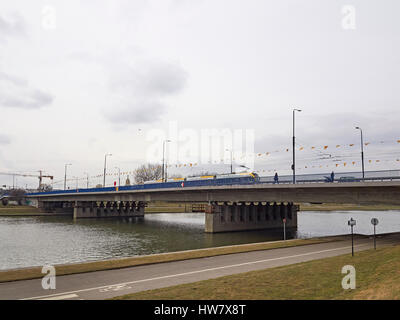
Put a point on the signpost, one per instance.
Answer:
(284, 229)
(352, 223)
(374, 222)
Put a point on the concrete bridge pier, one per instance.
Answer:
(243, 216)
(55, 207)
(108, 209)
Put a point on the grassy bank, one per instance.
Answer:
(10, 210)
(169, 207)
(377, 277)
(35, 272)
(345, 207)
(165, 207)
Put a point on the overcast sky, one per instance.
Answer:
(79, 79)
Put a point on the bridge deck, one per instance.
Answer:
(384, 192)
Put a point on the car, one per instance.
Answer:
(349, 179)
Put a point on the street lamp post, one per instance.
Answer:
(87, 180)
(294, 147)
(231, 151)
(163, 162)
(362, 152)
(119, 176)
(105, 168)
(65, 175)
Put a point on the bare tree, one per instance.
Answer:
(147, 172)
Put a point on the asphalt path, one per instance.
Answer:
(111, 283)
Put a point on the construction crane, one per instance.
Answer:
(40, 176)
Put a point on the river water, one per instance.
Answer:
(36, 241)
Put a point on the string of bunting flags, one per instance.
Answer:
(343, 164)
(269, 153)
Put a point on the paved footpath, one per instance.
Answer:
(111, 283)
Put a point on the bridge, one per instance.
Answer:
(230, 207)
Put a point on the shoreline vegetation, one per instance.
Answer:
(346, 207)
(377, 278)
(163, 207)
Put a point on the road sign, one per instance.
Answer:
(351, 222)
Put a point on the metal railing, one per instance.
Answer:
(203, 184)
(335, 181)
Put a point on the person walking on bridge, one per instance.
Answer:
(276, 178)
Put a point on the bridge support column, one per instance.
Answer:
(224, 217)
(54, 207)
(110, 209)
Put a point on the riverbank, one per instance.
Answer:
(29, 211)
(14, 210)
(377, 277)
(25, 211)
(36, 272)
(163, 207)
(345, 207)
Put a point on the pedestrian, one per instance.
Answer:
(332, 176)
(276, 178)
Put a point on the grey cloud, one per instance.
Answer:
(137, 85)
(139, 112)
(4, 139)
(144, 84)
(17, 93)
(147, 79)
(13, 25)
(163, 79)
